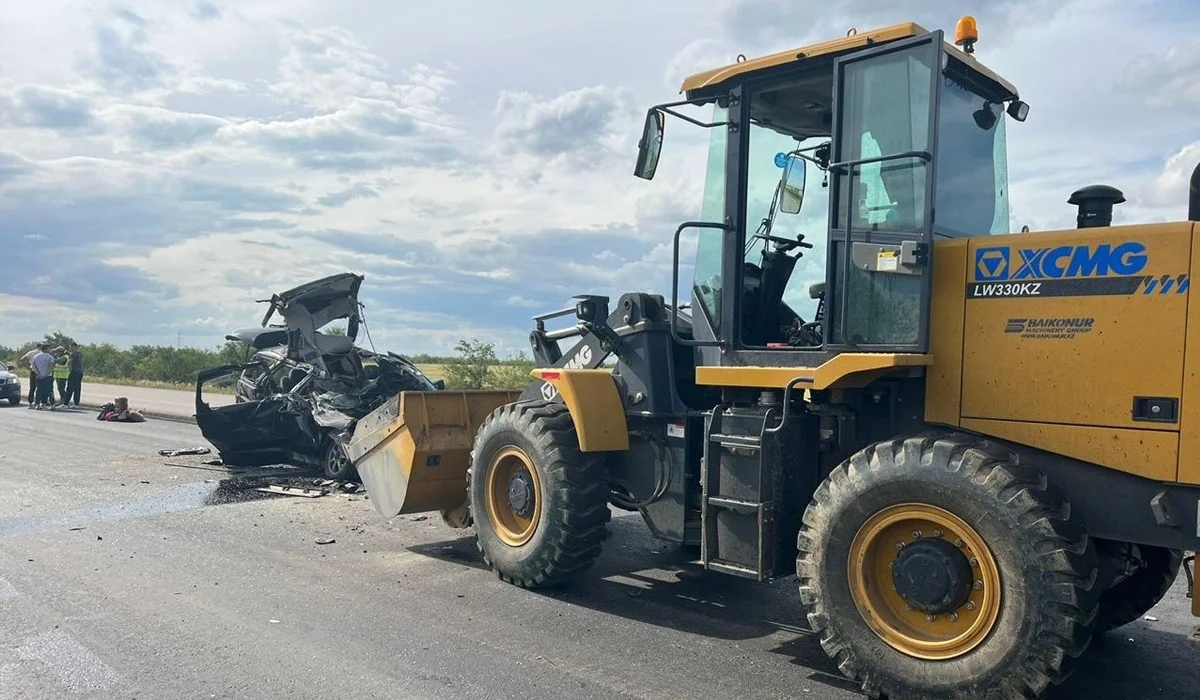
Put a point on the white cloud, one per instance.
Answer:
(165, 164)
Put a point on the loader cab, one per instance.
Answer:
(831, 171)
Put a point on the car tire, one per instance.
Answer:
(540, 505)
(335, 463)
(15, 401)
(1023, 602)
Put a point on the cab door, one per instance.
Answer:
(881, 232)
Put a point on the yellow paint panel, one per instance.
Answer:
(841, 45)
(943, 382)
(595, 405)
(1018, 368)
(412, 453)
(1189, 434)
(860, 40)
(838, 372)
(1148, 453)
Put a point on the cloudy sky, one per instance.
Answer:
(165, 163)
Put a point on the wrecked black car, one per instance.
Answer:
(300, 394)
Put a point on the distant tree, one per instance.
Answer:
(472, 368)
(58, 338)
(335, 330)
(234, 352)
(512, 374)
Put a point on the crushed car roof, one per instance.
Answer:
(323, 300)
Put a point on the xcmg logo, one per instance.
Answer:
(1068, 271)
(996, 264)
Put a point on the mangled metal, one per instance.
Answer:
(298, 402)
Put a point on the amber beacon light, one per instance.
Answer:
(966, 33)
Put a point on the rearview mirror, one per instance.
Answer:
(791, 184)
(439, 384)
(650, 146)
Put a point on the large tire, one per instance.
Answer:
(1134, 596)
(1020, 535)
(565, 525)
(527, 454)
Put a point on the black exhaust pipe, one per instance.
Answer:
(1095, 204)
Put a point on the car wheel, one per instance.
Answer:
(15, 401)
(335, 463)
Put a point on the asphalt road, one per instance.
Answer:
(121, 577)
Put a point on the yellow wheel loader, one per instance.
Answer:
(974, 449)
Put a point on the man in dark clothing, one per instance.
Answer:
(75, 379)
(27, 361)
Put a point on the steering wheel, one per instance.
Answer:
(784, 245)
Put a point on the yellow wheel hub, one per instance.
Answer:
(514, 496)
(946, 560)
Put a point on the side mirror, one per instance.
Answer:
(439, 384)
(8, 367)
(1019, 110)
(650, 146)
(791, 184)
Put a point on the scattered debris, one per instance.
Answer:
(325, 540)
(419, 518)
(273, 622)
(633, 593)
(292, 491)
(143, 481)
(213, 462)
(98, 537)
(197, 466)
(1150, 618)
(185, 451)
(76, 528)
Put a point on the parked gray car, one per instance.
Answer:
(10, 385)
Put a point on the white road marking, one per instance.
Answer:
(6, 589)
(75, 666)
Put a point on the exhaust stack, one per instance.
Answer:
(1095, 204)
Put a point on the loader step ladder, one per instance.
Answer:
(739, 504)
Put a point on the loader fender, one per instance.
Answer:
(594, 403)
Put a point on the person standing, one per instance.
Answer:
(27, 361)
(75, 379)
(43, 368)
(62, 371)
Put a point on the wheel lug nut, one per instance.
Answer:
(970, 605)
(978, 585)
(974, 561)
(929, 618)
(958, 543)
(899, 546)
(908, 608)
(916, 534)
(952, 617)
(937, 533)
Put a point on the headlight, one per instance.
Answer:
(14, 380)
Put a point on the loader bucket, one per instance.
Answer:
(412, 452)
